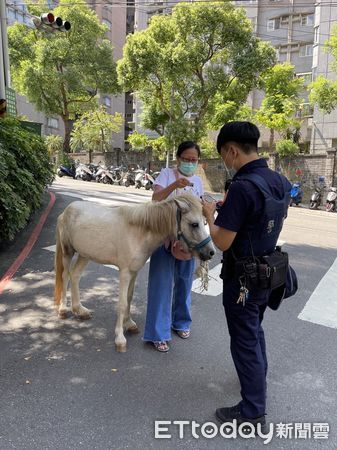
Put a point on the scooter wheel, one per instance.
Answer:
(329, 207)
(60, 174)
(148, 187)
(127, 184)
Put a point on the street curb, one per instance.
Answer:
(29, 245)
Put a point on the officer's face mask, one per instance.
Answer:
(229, 170)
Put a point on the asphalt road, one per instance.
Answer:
(63, 386)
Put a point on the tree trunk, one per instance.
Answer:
(67, 132)
(271, 140)
(90, 156)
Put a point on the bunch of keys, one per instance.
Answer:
(243, 293)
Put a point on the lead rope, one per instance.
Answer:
(202, 273)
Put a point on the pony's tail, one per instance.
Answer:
(58, 269)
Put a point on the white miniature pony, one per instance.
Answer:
(124, 236)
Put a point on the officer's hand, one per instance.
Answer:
(181, 183)
(208, 209)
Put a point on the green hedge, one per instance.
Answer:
(25, 171)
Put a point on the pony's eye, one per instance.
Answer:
(194, 225)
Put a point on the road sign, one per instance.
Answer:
(11, 101)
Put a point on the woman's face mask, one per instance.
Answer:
(188, 168)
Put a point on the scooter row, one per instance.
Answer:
(138, 177)
(92, 172)
(316, 199)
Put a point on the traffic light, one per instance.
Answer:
(48, 22)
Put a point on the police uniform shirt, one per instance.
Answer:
(244, 201)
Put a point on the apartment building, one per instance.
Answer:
(324, 128)
(18, 12)
(115, 18)
(289, 26)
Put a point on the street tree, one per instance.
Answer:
(94, 131)
(186, 64)
(61, 73)
(323, 92)
(281, 101)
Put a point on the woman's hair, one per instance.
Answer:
(187, 144)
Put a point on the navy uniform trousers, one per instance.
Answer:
(248, 347)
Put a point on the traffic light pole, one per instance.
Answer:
(2, 56)
(3, 19)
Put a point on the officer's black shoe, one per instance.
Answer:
(234, 412)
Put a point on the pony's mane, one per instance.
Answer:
(159, 217)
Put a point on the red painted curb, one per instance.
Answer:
(28, 247)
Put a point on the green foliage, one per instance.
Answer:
(208, 149)
(281, 99)
(61, 73)
(94, 131)
(138, 141)
(25, 170)
(287, 147)
(323, 93)
(54, 144)
(185, 66)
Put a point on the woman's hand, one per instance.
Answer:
(180, 183)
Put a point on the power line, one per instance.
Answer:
(173, 3)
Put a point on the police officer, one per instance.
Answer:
(248, 223)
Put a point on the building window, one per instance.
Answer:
(52, 122)
(107, 23)
(306, 50)
(245, 2)
(308, 21)
(306, 77)
(316, 35)
(107, 101)
(273, 24)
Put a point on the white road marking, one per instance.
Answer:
(105, 201)
(321, 307)
(214, 285)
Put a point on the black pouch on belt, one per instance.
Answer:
(276, 270)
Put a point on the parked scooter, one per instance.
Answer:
(331, 199)
(316, 196)
(83, 173)
(296, 194)
(144, 179)
(129, 178)
(66, 171)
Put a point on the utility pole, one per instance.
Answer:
(170, 127)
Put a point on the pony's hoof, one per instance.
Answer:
(64, 314)
(121, 348)
(134, 329)
(85, 316)
(82, 313)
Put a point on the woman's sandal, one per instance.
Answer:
(161, 346)
(183, 334)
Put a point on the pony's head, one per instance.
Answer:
(191, 228)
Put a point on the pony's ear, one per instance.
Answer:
(182, 204)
